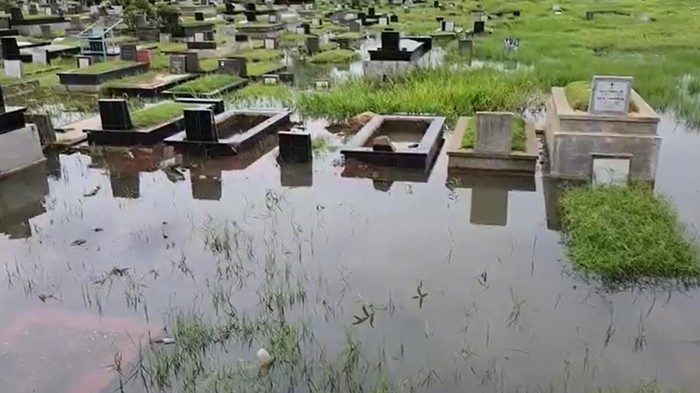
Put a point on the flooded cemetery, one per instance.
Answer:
(349, 196)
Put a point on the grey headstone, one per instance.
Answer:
(178, 64)
(40, 56)
(270, 43)
(84, 61)
(45, 31)
(14, 69)
(494, 132)
(610, 95)
(313, 44)
(127, 52)
(192, 62)
(164, 38)
(235, 66)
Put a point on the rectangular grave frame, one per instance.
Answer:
(68, 79)
(516, 162)
(236, 143)
(421, 157)
(153, 89)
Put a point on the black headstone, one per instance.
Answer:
(250, 16)
(10, 50)
(127, 52)
(371, 11)
(390, 40)
(241, 38)
(589, 15)
(209, 35)
(313, 44)
(295, 147)
(199, 16)
(286, 77)
(114, 114)
(393, 18)
(236, 66)
(439, 19)
(479, 26)
(516, 13)
(192, 62)
(16, 13)
(436, 4)
(250, 7)
(200, 126)
(307, 28)
(230, 8)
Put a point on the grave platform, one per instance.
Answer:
(575, 137)
(233, 132)
(238, 84)
(415, 141)
(470, 158)
(85, 80)
(159, 83)
(20, 144)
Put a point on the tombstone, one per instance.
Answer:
(192, 62)
(14, 69)
(16, 13)
(164, 38)
(436, 4)
(393, 18)
(235, 66)
(355, 26)
(406, 9)
(610, 95)
(42, 121)
(390, 40)
(199, 16)
(479, 27)
(322, 84)
(40, 56)
(448, 26)
(250, 16)
(45, 31)
(589, 15)
(516, 13)
(270, 79)
(33, 9)
(313, 44)
(114, 114)
(144, 56)
(76, 22)
(141, 20)
(94, 10)
(286, 77)
(494, 132)
(272, 18)
(48, 10)
(295, 147)
(200, 125)
(439, 19)
(300, 30)
(84, 61)
(127, 52)
(362, 18)
(250, 7)
(271, 43)
(199, 37)
(4, 22)
(307, 28)
(383, 21)
(117, 10)
(370, 12)
(241, 38)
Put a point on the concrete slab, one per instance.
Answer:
(20, 149)
(73, 133)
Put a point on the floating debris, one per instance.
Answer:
(79, 242)
(93, 192)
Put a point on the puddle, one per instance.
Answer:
(448, 286)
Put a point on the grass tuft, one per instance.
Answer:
(626, 234)
(157, 114)
(207, 84)
(335, 56)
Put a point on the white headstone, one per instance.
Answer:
(449, 26)
(40, 57)
(199, 37)
(322, 84)
(610, 95)
(118, 10)
(383, 21)
(300, 30)
(610, 171)
(47, 10)
(164, 38)
(272, 18)
(83, 62)
(14, 69)
(270, 43)
(315, 22)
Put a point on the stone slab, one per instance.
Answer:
(20, 149)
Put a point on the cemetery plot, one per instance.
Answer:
(89, 78)
(146, 85)
(493, 141)
(400, 141)
(228, 133)
(208, 85)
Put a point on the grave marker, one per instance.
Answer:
(313, 44)
(40, 56)
(271, 79)
(270, 43)
(198, 37)
(479, 27)
(610, 95)
(84, 61)
(383, 21)
(295, 147)
(448, 26)
(199, 16)
(494, 132)
(114, 114)
(200, 125)
(14, 69)
(272, 18)
(127, 52)
(235, 66)
(192, 62)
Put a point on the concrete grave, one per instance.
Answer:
(40, 56)
(493, 148)
(295, 146)
(20, 144)
(610, 169)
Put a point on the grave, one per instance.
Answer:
(398, 141)
(617, 124)
(295, 146)
(90, 78)
(228, 133)
(271, 43)
(147, 126)
(313, 45)
(234, 66)
(127, 52)
(20, 144)
(489, 193)
(479, 27)
(493, 141)
(32, 26)
(396, 55)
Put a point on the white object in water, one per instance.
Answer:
(265, 358)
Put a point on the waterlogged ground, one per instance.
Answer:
(352, 285)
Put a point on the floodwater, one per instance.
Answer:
(435, 285)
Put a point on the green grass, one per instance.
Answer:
(103, 67)
(207, 84)
(626, 234)
(157, 114)
(440, 91)
(517, 144)
(260, 55)
(144, 78)
(291, 38)
(256, 91)
(335, 56)
(350, 35)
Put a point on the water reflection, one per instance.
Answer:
(22, 198)
(296, 174)
(383, 177)
(489, 196)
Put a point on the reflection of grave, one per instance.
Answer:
(552, 188)
(489, 204)
(49, 351)
(21, 199)
(125, 166)
(296, 174)
(383, 177)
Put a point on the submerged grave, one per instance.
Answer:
(396, 55)
(398, 141)
(612, 122)
(20, 144)
(228, 133)
(498, 141)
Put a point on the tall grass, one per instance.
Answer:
(437, 91)
(626, 234)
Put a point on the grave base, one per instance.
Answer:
(20, 149)
(515, 162)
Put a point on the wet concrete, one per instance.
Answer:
(502, 311)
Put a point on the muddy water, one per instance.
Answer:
(497, 309)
